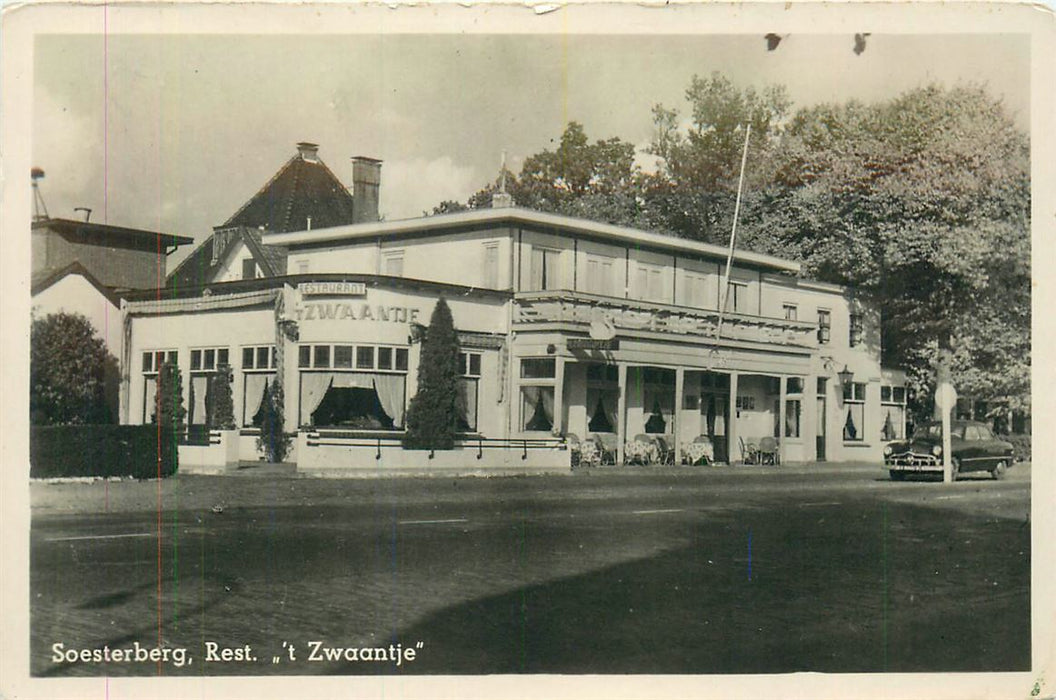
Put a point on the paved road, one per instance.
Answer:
(728, 570)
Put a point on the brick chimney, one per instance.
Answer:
(366, 182)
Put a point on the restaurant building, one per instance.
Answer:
(566, 327)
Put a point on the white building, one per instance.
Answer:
(567, 326)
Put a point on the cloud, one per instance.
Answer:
(410, 187)
(67, 145)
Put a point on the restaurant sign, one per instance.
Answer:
(593, 344)
(316, 311)
(332, 289)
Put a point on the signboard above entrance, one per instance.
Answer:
(332, 289)
(593, 344)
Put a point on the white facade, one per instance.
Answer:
(567, 326)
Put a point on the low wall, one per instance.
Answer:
(330, 455)
(219, 455)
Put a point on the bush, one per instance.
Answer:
(73, 378)
(139, 451)
(1020, 446)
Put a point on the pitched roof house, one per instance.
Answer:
(303, 194)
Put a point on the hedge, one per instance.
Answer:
(1021, 445)
(100, 450)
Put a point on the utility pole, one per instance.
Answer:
(733, 234)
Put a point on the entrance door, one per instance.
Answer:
(820, 431)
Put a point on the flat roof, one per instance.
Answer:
(94, 228)
(519, 216)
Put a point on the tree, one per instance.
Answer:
(597, 181)
(924, 202)
(432, 415)
(694, 192)
(70, 370)
(220, 407)
(169, 411)
(273, 440)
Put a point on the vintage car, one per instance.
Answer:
(974, 448)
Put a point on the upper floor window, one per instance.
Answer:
(791, 312)
(695, 292)
(824, 325)
(737, 297)
(600, 278)
(491, 265)
(392, 264)
(650, 282)
(249, 269)
(546, 269)
(856, 329)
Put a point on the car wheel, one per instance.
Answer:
(955, 468)
(998, 472)
(897, 475)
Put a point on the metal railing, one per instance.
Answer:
(577, 308)
(340, 438)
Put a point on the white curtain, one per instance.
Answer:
(313, 388)
(150, 396)
(199, 388)
(532, 395)
(256, 385)
(467, 405)
(389, 388)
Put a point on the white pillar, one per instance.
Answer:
(680, 379)
(559, 395)
(782, 388)
(732, 445)
(621, 412)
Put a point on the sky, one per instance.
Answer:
(175, 132)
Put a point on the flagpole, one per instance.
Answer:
(733, 235)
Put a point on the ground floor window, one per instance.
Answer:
(893, 409)
(603, 397)
(152, 362)
(658, 395)
(255, 387)
(468, 387)
(793, 411)
(537, 408)
(854, 408)
(361, 400)
(199, 398)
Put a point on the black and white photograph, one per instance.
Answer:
(353, 351)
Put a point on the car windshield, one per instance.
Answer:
(934, 430)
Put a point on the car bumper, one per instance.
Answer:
(910, 462)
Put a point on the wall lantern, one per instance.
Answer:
(845, 376)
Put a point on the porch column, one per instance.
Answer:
(733, 446)
(621, 412)
(559, 395)
(680, 379)
(782, 388)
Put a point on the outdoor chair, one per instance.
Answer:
(749, 452)
(575, 448)
(665, 450)
(768, 451)
(589, 455)
(607, 447)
